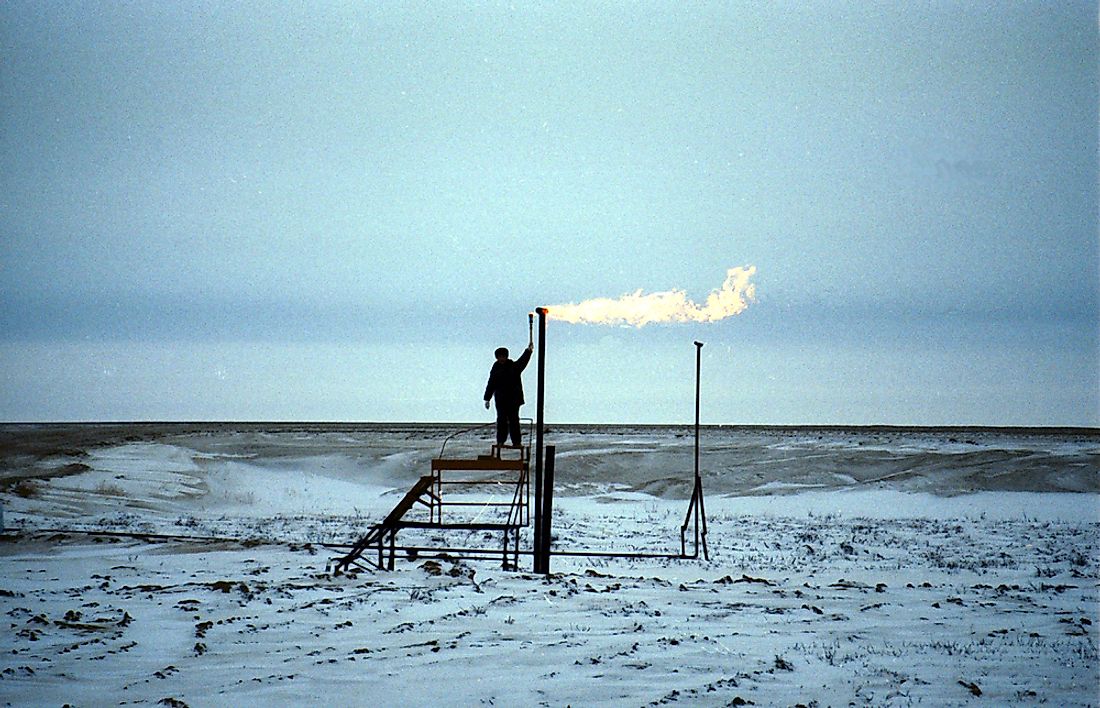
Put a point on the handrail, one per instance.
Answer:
(530, 424)
(461, 432)
(515, 513)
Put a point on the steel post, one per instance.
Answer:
(698, 368)
(548, 512)
(539, 420)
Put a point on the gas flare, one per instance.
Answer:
(638, 309)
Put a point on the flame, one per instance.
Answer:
(638, 309)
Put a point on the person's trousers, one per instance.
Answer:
(508, 425)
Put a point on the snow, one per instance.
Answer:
(820, 588)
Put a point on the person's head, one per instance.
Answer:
(501, 354)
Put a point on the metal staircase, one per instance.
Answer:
(466, 506)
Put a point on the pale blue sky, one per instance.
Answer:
(337, 210)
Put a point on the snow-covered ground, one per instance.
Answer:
(846, 567)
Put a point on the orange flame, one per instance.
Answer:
(638, 309)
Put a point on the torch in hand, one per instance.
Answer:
(530, 330)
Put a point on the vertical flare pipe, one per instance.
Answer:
(539, 561)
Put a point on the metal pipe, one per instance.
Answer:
(617, 554)
(697, 487)
(548, 512)
(493, 553)
(698, 367)
(703, 516)
(539, 421)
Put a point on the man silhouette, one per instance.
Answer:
(506, 386)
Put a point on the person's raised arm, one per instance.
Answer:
(525, 357)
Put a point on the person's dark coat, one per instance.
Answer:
(505, 383)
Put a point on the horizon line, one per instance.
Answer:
(885, 427)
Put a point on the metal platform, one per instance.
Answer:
(472, 510)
